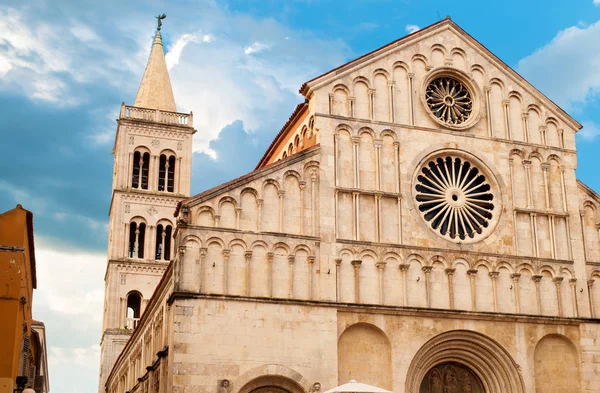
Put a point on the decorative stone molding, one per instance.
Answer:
(495, 367)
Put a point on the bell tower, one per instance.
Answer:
(152, 173)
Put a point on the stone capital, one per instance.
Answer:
(515, 276)
(450, 271)
(590, 282)
(291, 258)
(281, 193)
(380, 265)
(356, 263)
(494, 275)
(248, 255)
(203, 251)
(311, 259)
(404, 267)
(558, 280)
(573, 281)
(537, 278)
(182, 250)
(472, 272)
(270, 256)
(338, 262)
(545, 166)
(427, 269)
(356, 139)
(226, 253)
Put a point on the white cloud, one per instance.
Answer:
(256, 47)
(411, 28)
(228, 82)
(589, 132)
(567, 70)
(596, 2)
(172, 57)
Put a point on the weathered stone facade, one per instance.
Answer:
(386, 240)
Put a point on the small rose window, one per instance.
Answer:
(449, 100)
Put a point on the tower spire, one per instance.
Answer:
(155, 91)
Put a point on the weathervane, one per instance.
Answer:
(159, 19)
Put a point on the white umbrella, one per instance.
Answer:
(357, 387)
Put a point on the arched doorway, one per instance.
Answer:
(451, 377)
(490, 365)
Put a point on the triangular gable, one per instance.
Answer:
(588, 191)
(308, 87)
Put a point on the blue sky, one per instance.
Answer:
(65, 67)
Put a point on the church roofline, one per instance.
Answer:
(247, 177)
(593, 194)
(307, 87)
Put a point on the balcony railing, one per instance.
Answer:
(157, 116)
(132, 323)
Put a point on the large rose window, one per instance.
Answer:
(456, 198)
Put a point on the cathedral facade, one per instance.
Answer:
(416, 225)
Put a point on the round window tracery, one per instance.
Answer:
(455, 198)
(449, 100)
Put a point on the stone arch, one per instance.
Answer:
(438, 55)
(490, 362)
(361, 87)
(553, 376)
(271, 375)
(341, 101)
(459, 57)
(206, 216)
(372, 346)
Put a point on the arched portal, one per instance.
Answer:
(451, 377)
(489, 364)
(270, 389)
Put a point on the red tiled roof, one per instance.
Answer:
(300, 108)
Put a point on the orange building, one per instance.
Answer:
(21, 350)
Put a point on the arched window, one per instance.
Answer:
(134, 307)
(137, 235)
(164, 234)
(290, 149)
(297, 142)
(166, 173)
(284, 155)
(141, 165)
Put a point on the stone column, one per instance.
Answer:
(202, 268)
(238, 213)
(311, 262)
(270, 256)
(538, 297)
(313, 202)
(546, 173)
(573, 283)
(558, 283)
(336, 161)
(515, 277)
(338, 294)
(281, 194)
(302, 187)
(472, 274)
(356, 264)
(404, 269)
(411, 97)
(450, 274)
(391, 102)
(377, 143)
(217, 219)
(506, 107)
(494, 277)
(590, 285)
(543, 135)
(378, 218)
(400, 219)
(226, 254)
(291, 260)
(259, 206)
(397, 166)
(248, 256)
(127, 240)
(524, 117)
(534, 235)
(122, 315)
(356, 159)
(427, 271)
(356, 221)
(527, 166)
(380, 270)
(371, 104)
(486, 93)
(331, 103)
